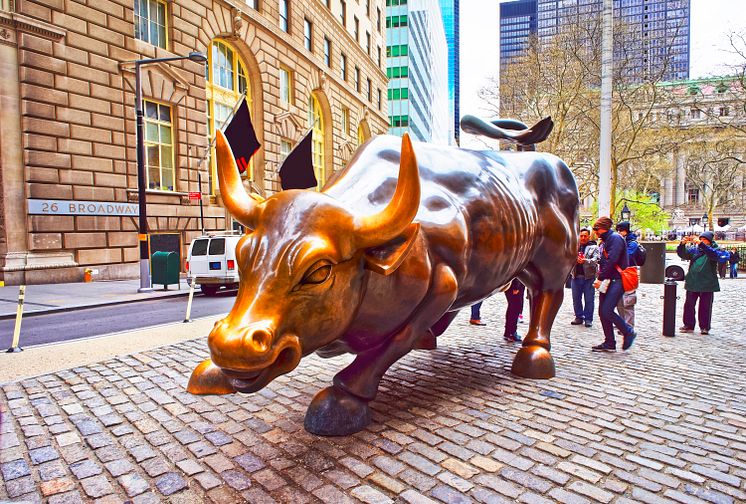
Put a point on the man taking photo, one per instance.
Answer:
(701, 281)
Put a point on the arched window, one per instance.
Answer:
(316, 121)
(227, 81)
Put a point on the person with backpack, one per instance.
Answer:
(701, 281)
(735, 258)
(636, 254)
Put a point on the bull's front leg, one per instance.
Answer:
(342, 409)
(533, 360)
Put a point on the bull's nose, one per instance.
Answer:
(258, 339)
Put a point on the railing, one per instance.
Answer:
(7, 5)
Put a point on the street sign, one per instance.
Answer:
(194, 195)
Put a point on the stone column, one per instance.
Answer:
(13, 226)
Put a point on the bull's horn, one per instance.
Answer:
(238, 202)
(377, 229)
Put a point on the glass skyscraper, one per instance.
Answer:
(517, 24)
(661, 29)
(417, 68)
(449, 9)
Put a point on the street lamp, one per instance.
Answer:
(704, 222)
(626, 214)
(142, 236)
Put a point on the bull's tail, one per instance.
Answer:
(509, 129)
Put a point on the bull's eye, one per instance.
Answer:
(317, 274)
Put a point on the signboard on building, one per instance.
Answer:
(73, 207)
(195, 196)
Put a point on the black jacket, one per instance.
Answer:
(735, 257)
(613, 254)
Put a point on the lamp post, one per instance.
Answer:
(626, 213)
(142, 236)
(704, 222)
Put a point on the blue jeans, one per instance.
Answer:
(475, 311)
(734, 270)
(609, 318)
(582, 289)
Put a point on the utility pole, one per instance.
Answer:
(607, 67)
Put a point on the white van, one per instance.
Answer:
(211, 262)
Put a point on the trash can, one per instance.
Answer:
(165, 269)
(655, 262)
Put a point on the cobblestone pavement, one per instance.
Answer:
(665, 422)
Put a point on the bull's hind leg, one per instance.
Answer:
(533, 360)
(342, 409)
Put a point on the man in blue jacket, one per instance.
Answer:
(701, 281)
(609, 285)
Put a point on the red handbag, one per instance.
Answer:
(630, 278)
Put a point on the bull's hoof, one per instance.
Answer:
(208, 379)
(533, 362)
(334, 412)
(428, 341)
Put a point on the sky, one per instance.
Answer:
(711, 20)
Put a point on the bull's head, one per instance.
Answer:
(302, 269)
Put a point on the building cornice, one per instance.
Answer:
(19, 22)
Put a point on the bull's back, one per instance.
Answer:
(475, 206)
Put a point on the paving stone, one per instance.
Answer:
(249, 462)
(15, 469)
(170, 483)
(19, 486)
(238, 480)
(85, 469)
(412, 497)
(190, 467)
(208, 480)
(591, 491)
(56, 486)
(133, 484)
(66, 498)
(96, 486)
(448, 494)
(370, 495)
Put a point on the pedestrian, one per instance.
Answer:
(514, 296)
(613, 258)
(722, 266)
(475, 315)
(583, 275)
(735, 258)
(701, 281)
(626, 306)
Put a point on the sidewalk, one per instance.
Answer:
(109, 420)
(72, 296)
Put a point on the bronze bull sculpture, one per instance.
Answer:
(380, 262)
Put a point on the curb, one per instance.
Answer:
(59, 309)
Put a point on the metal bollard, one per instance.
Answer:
(669, 307)
(19, 316)
(187, 318)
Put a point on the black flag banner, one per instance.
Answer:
(241, 136)
(296, 171)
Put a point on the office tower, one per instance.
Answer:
(517, 24)
(417, 59)
(659, 31)
(449, 9)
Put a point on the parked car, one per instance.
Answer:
(211, 262)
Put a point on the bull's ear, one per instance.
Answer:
(385, 258)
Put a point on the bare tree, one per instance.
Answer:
(561, 78)
(718, 172)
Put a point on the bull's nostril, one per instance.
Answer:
(260, 340)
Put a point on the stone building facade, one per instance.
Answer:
(68, 167)
(709, 109)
